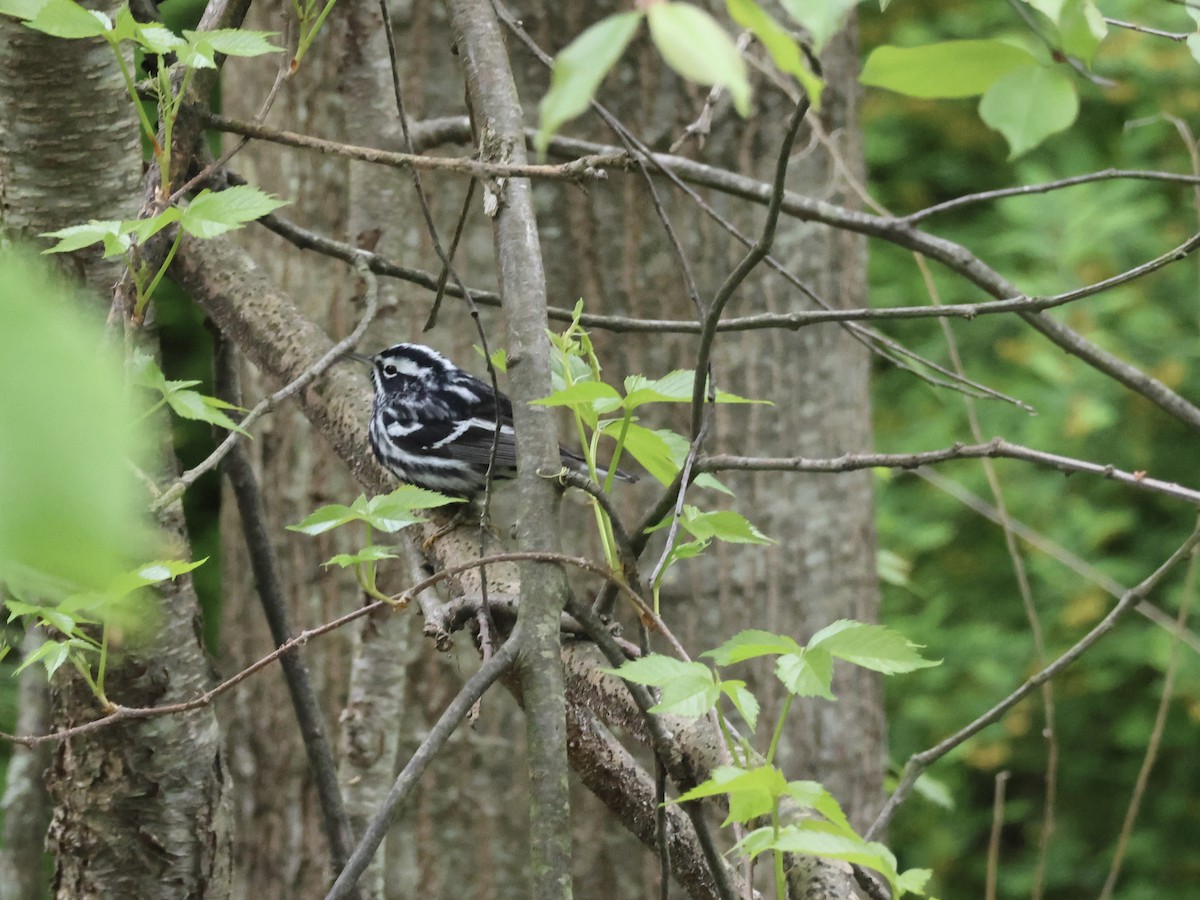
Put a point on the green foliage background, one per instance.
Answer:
(960, 594)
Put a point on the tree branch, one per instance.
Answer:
(995, 448)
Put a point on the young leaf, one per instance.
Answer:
(679, 447)
(161, 570)
(578, 70)
(52, 654)
(723, 525)
(194, 405)
(66, 19)
(391, 512)
(752, 792)
(948, 69)
(815, 838)
(743, 701)
(697, 47)
(370, 553)
(325, 519)
(873, 647)
(582, 392)
(233, 41)
(109, 232)
(1081, 29)
(211, 214)
(751, 644)
(156, 39)
(648, 448)
(688, 688)
(807, 674)
(1028, 105)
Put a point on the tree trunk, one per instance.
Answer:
(602, 244)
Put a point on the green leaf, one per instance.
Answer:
(784, 50)
(751, 644)
(1051, 9)
(144, 229)
(688, 688)
(66, 19)
(233, 41)
(201, 407)
(391, 512)
(370, 553)
(157, 39)
(578, 70)
(52, 654)
(21, 9)
(948, 69)
(808, 673)
(70, 505)
(211, 214)
(914, 880)
(326, 519)
(818, 839)
(648, 448)
(1028, 105)
(674, 387)
(162, 569)
(934, 790)
(723, 525)
(107, 231)
(1081, 29)
(743, 701)
(582, 393)
(752, 792)
(823, 19)
(874, 647)
(679, 447)
(697, 47)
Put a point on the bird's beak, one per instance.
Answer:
(358, 357)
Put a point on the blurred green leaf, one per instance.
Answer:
(71, 518)
(698, 48)
(1028, 105)
(947, 69)
(578, 70)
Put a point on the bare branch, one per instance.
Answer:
(995, 448)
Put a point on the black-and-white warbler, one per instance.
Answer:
(433, 425)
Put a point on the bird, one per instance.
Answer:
(433, 424)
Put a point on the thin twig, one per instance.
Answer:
(749, 263)
(265, 566)
(993, 851)
(583, 169)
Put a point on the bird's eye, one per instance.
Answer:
(390, 370)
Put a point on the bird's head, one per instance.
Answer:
(403, 367)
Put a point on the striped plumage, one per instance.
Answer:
(433, 424)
